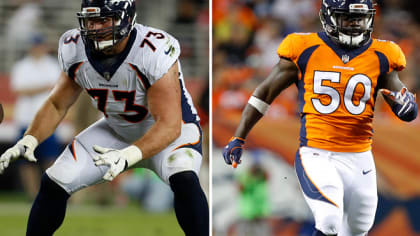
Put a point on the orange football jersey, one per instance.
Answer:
(338, 87)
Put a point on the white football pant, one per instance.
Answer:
(75, 169)
(340, 189)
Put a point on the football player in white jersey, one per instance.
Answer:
(134, 77)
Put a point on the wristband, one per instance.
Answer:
(132, 154)
(238, 138)
(30, 141)
(259, 104)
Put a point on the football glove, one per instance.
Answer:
(24, 147)
(404, 106)
(233, 151)
(116, 160)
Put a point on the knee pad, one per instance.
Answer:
(181, 160)
(319, 233)
(329, 225)
(360, 229)
(362, 216)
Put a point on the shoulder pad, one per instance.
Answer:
(158, 51)
(294, 44)
(70, 49)
(393, 53)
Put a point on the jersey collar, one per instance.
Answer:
(346, 55)
(108, 72)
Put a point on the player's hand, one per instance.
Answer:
(404, 103)
(112, 158)
(233, 151)
(23, 148)
(116, 160)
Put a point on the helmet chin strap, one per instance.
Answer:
(352, 41)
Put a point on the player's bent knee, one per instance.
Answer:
(181, 160)
(361, 229)
(329, 225)
(362, 221)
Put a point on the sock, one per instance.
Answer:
(191, 208)
(48, 209)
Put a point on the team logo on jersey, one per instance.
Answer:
(170, 50)
(345, 58)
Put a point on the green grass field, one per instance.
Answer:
(87, 220)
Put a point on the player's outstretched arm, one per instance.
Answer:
(164, 102)
(45, 122)
(402, 101)
(282, 76)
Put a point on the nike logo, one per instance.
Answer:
(366, 172)
(116, 162)
(169, 50)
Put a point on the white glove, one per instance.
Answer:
(24, 147)
(116, 160)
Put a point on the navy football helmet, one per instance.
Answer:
(122, 13)
(348, 22)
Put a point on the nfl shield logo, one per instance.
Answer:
(345, 58)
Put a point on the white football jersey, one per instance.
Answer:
(120, 90)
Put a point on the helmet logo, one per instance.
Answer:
(118, 1)
(342, 2)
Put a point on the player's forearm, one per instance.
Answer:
(255, 109)
(250, 116)
(46, 121)
(160, 135)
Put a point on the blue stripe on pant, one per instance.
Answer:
(308, 187)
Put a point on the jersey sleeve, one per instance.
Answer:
(156, 63)
(69, 50)
(287, 47)
(396, 57)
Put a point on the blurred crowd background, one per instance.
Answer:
(266, 196)
(29, 34)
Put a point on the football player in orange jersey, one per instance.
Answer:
(338, 73)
